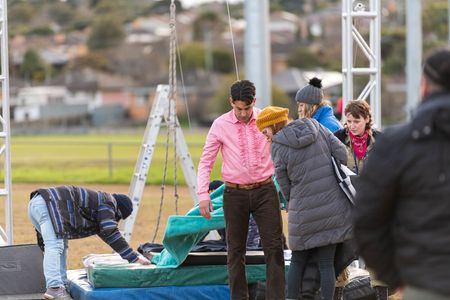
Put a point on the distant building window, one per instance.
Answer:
(55, 99)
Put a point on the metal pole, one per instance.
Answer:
(257, 49)
(448, 24)
(413, 53)
(5, 133)
(347, 52)
(375, 45)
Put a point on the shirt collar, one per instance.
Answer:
(234, 120)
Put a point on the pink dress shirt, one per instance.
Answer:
(245, 153)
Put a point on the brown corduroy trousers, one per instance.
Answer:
(263, 203)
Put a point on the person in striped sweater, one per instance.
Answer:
(72, 212)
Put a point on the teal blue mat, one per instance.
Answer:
(141, 276)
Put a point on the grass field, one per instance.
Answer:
(85, 159)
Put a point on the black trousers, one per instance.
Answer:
(263, 203)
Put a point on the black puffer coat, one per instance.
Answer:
(402, 211)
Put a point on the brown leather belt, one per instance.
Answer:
(250, 186)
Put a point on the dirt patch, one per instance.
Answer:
(143, 229)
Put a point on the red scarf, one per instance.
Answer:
(359, 144)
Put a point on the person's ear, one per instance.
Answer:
(230, 100)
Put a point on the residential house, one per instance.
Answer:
(46, 103)
(156, 28)
(114, 98)
(56, 50)
(325, 26)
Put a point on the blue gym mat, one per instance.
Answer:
(80, 289)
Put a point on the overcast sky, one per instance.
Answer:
(189, 3)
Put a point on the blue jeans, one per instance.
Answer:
(55, 255)
(325, 264)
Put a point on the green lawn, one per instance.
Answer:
(85, 159)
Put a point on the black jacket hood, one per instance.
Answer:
(432, 117)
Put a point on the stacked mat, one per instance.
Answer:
(81, 289)
(111, 271)
(181, 235)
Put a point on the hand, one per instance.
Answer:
(143, 261)
(399, 292)
(206, 208)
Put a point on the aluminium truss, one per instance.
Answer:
(354, 11)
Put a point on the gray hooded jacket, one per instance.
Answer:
(319, 213)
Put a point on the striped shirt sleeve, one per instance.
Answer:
(110, 233)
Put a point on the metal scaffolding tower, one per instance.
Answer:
(6, 236)
(357, 11)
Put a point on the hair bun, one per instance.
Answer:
(316, 82)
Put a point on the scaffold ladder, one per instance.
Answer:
(362, 10)
(158, 114)
(6, 235)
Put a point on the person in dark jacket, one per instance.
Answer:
(319, 215)
(71, 212)
(312, 105)
(402, 210)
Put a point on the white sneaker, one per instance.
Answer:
(57, 294)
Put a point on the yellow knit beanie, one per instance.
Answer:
(271, 115)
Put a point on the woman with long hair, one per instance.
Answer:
(312, 105)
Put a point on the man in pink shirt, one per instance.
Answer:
(247, 170)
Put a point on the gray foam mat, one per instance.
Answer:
(21, 271)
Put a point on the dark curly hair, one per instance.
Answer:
(243, 90)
